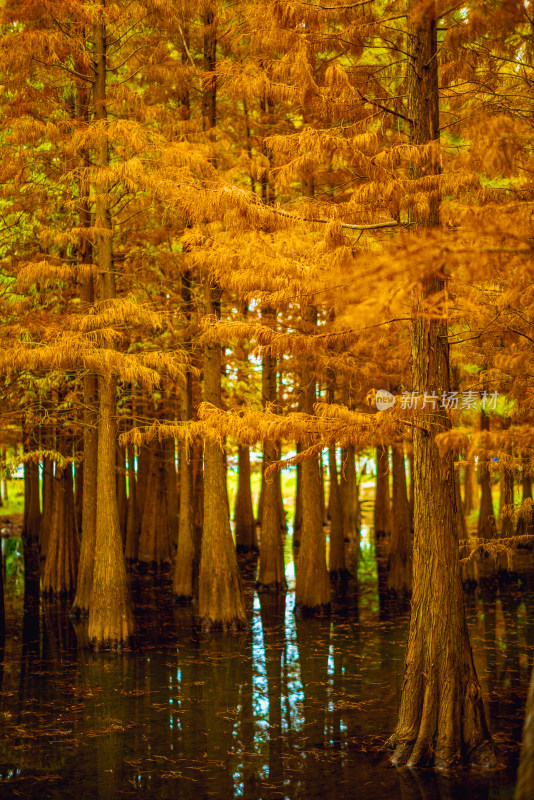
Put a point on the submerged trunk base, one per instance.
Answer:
(340, 576)
(447, 732)
(322, 610)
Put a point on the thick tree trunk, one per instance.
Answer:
(245, 524)
(441, 717)
(312, 578)
(186, 564)
(220, 601)
(400, 553)
(110, 613)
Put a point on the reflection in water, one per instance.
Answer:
(292, 708)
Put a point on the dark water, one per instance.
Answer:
(291, 709)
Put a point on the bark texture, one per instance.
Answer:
(400, 553)
(84, 586)
(61, 565)
(312, 578)
(271, 575)
(110, 613)
(441, 717)
(245, 524)
(220, 600)
(154, 541)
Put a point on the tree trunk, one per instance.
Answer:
(143, 467)
(336, 558)
(121, 489)
(441, 717)
(382, 520)
(525, 522)
(470, 488)
(30, 535)
(154, 544)
(524, 789)
(400, 553)
(297, 521)
(382, 516)
(171, 490)
(312, 578)
(61, 565)
(186, 564)
(350, 505)
(48, 499)
(111, 620)
(221, 602)
(486, 519)
(84, 587)
(271, 575)
(245, 524)
(132, 524)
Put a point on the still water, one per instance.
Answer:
(292, 708)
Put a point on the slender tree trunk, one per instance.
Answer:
(121, 489)
(245, 524)
(441, 717)
(470, 488)
(30, 535)
(154, 541)
(61, 565)
(297, 521)
(350, 505)
(186, 564)
(132, 524)
(382, 516)
(312, 578)
(110, 613)
(525, 522)
(486, 518)
(171, 491)
(221, 602)
(336, 557)
(84, 587)
(271, 575)
(48, 499)
(400, 553)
